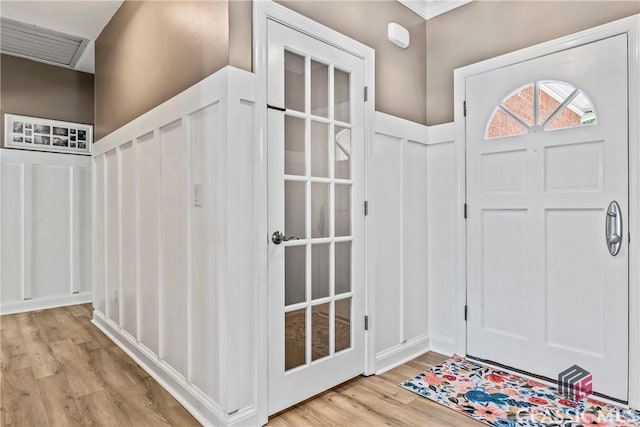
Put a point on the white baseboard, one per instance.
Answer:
(401, 353)
(43, 303)
(206, 411)
(443, 345)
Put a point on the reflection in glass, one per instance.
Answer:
(293, 81)
(343, 267)
(294, 161)
(294, 209)
(319, 271)
(520, 103)
(551, 94)
(341, 96)
(342, 154)
(294, 274)
(320, 331)
(319, 89)
(319, 210)
(343, 210)
(294, 339)
(502, 125)
(579, 112)
(343, 324)
(319, 149)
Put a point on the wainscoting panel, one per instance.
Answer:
(386, 241)
(46, 230)
(415, 295)
(12, 232)
(128, 239)
(174, 147)
(99, 213)
(147, 226)
(398, 240)
(112, 235)
(205, 333)
(441, 222)
(174, 198)
(50, 230)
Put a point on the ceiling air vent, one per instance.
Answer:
(40, 44)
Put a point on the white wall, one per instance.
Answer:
(442, 216)
(46, 230)
(398, 240)
(412, 236)
(174, 280)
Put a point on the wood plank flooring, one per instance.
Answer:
(375, 401)
(57, 369)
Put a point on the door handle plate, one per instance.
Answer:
(613, 228)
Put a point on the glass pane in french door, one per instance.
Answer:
(318, 211)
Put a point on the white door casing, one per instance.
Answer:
(313, 286)
(542, 289)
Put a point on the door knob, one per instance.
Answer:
(278, 238)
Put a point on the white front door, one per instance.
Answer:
(547, 152)
(315, 197)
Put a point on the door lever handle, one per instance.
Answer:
(278, 238)
(613, 228)
(613, 239)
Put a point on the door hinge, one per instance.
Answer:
(465, 211)
(366, 323)
(464, 108)
(366, 207)
(366, 93)
(466, 311)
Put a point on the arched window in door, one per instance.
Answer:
(541, 106)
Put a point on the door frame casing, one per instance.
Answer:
(263, 11)
(631, 27)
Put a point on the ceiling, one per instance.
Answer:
(431, 8)
(79, 18)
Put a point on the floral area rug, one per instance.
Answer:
(501, 399)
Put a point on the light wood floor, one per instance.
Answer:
(60, 370)
(375, 401)
(57, 369)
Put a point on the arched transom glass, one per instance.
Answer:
(544, 105)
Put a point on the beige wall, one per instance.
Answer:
(35, 89)
(400, 73)
(152, 50)
(485, 29)
(240, 34)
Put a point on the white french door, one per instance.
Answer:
(316, 158)
(547, 157)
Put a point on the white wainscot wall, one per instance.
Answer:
(398, 240)
(173, 279)
(442, 219)
(45, 216)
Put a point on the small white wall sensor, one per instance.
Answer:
(398, 35)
